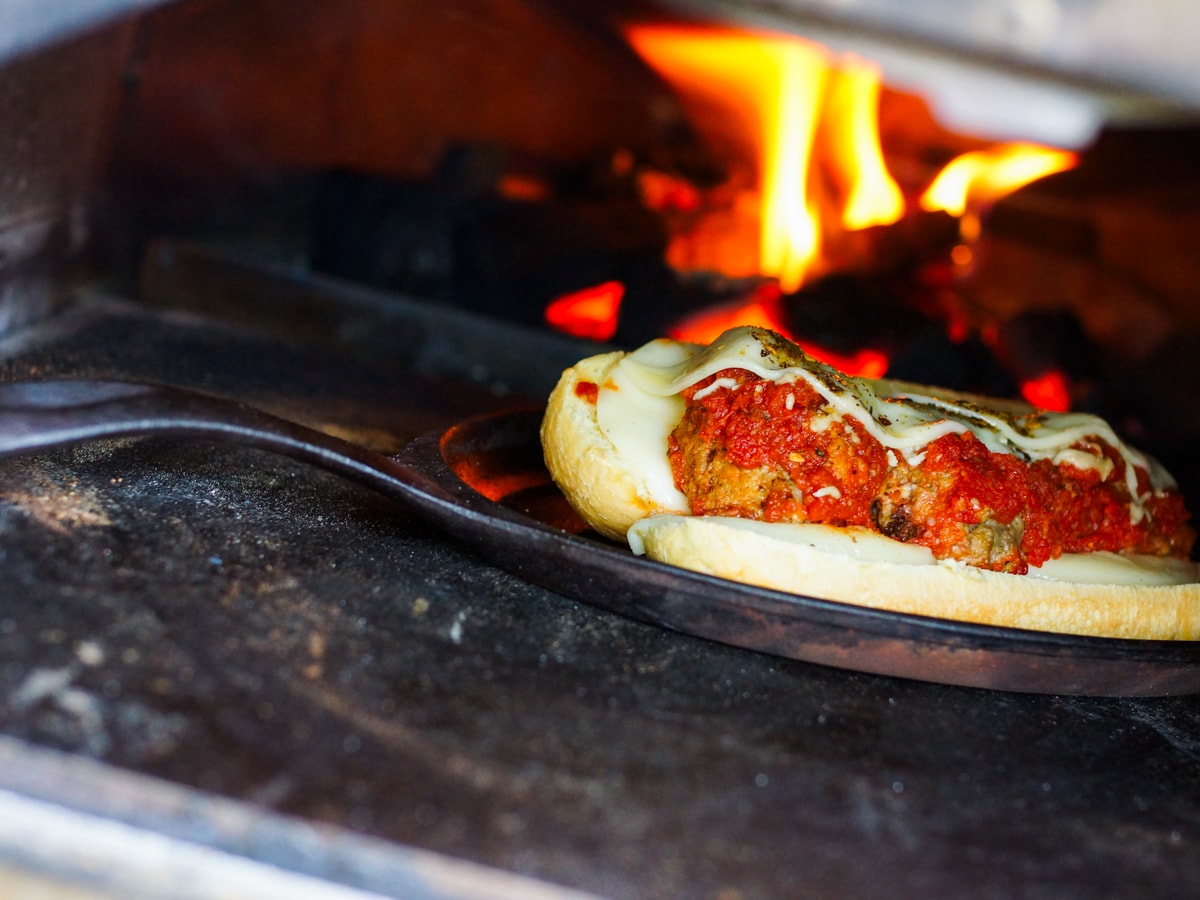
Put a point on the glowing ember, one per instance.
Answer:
(867, 363)
(1050, 390)
(591, 313)
(523, 188)
(705, 326)
(762, 310)
(985, 175)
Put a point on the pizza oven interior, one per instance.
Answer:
(493, 157)
(356, 215)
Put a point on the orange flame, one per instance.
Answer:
(985, 175)
(790, 226)
(873, 196)
(804, 128)
(784, 96)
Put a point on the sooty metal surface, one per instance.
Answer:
(253, 631)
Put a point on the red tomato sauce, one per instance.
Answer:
(777, 453)
(587, 390)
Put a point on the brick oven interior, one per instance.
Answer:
(374, 143)
(224, 672)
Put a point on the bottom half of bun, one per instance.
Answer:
(754, 555)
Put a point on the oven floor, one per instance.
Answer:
(237, 654)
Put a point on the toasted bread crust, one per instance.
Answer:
(601, 485)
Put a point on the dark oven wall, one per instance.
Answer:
(59, 105)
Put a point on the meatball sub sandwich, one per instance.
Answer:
(750, 460)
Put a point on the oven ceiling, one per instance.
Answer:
(26, 25)
(1054, 71)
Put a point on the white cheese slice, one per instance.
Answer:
(856, 543)
(863, 545)
(639, 422)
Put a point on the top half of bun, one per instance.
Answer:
(604, 487)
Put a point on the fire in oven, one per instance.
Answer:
(292, 602)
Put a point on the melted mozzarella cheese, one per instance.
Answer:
(639, 422)
(904, 418)
(856, 543)
(1114, 568)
